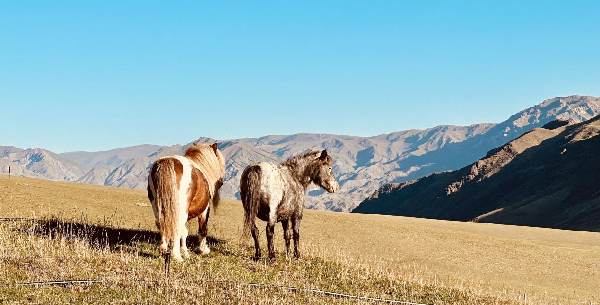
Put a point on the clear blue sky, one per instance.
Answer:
(83, 75)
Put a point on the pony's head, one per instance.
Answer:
(212, 162)
(323, 174)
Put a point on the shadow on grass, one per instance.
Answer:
(144, 243)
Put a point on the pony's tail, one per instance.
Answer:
(166, 198)
(250, 193)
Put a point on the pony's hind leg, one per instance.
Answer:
(184, 250)
(176, 254)
(203, 231)
(179, 239)
(254, 231)
(296, 228)
(270, 231)
(287, 235)
(164, 246)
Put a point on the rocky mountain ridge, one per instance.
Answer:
(548, 177)
(362, 164)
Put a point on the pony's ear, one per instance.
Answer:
(323, 155)
(214, 147)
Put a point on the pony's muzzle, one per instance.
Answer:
(333, 187)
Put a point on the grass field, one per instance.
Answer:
(109, 233)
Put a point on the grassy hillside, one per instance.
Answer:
(108, 233)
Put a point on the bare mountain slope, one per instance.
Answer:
(456, 155)
(549, 177)
(113, 157)
(127, 167)
(362, 164)
(39, 163)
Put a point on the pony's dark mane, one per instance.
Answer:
(291, 162)
(305, 166)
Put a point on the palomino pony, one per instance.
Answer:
(180, 189)
(276, 193)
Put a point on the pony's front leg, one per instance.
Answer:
(203, 231)
(270, 232)
(296, 228)
(287, 235)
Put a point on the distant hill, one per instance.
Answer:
(548, 177)
(111, 158)
(362, 164)
(40, 163)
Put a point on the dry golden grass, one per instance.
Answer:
(369, 255)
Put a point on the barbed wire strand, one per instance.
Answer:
(256, 285)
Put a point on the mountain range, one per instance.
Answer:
(361, 164)
(548, 177)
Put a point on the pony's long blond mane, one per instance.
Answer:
(212, 163)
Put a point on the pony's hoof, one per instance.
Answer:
(178, 259)
(163, 250)
(205, 251)
(185, 254)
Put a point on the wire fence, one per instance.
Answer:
(254, 285)
(19, 219)
(58, 283)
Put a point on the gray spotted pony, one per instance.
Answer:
(275, 193)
